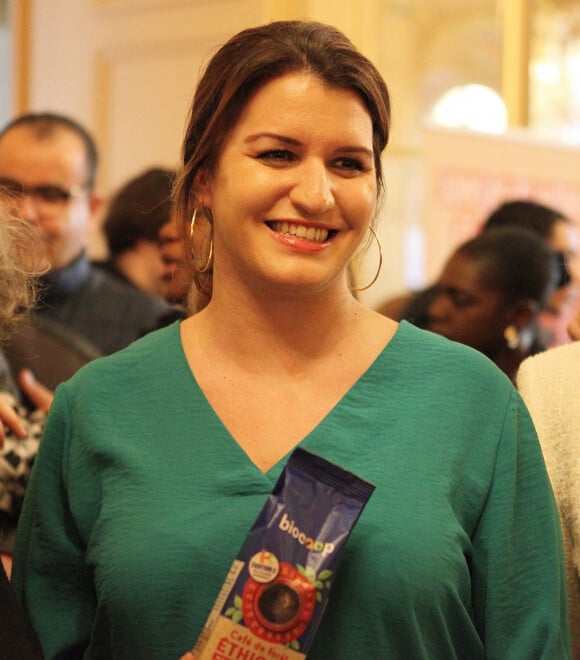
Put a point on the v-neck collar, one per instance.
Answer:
(376, 368)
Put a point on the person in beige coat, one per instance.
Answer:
(550, 384)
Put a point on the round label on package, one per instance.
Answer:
(264, 566)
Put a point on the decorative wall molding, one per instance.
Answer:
(142, 95)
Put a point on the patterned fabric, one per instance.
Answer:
(17, 457)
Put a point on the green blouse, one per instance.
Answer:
(140, 499)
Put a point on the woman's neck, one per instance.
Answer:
(293, 333)
(509, 362)
(305, 324)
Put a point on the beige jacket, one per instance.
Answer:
(550, 385)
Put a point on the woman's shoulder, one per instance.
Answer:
(454, 380)
(142, 359)
(445, 359)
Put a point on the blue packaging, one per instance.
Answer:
(274, 596)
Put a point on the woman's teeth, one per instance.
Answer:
(317, 234)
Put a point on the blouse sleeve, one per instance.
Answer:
(518, 565)
(50, 573)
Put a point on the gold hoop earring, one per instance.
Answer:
(512, 337)
(376, 277)
(209, 259)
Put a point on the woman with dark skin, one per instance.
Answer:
(563, 236)
(490, 293)
(546, 222)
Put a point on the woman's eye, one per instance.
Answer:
(349, 164)
(277, 156)
(462, 300)
(459, 298)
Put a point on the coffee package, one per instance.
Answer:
(275, 593)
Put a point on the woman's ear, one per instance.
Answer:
(525, 311)
(202, 188)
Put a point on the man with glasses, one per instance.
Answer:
(48, 166)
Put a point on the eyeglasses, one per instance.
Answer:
(44, 194)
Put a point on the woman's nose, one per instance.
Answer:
(312, 191)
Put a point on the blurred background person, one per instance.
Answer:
(131, 226)
(562, 235)
(574, 327)
(549, 384)
(490, 293)
(20, 262)
(177, 278)
(552, 226)
(48, 164)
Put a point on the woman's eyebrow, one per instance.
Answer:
(356, 150)
(293, 142)
(273, 136)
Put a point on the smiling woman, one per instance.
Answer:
(279, 187)
(225, 91)
(302, 188)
